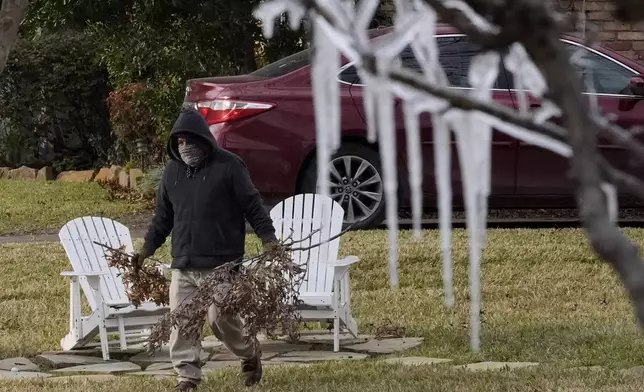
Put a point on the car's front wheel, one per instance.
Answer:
(355, 182)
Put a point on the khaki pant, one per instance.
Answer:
(185, 353)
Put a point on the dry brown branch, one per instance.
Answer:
(262, 290)
(146, 284)
(11, 14)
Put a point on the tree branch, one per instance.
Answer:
(11, 14)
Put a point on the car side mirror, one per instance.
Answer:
(637, 85)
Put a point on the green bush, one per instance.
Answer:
(151, 181)
(52, 104)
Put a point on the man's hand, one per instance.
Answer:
(138, 259)
(270, 245)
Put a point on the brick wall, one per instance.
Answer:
(621, 37)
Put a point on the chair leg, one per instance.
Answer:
(122, 336)
(336, 318)
(95, 283)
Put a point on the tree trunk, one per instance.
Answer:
(11, 14)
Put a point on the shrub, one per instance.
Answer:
(52, 104)
(150, 182)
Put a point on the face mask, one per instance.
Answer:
(191, 154)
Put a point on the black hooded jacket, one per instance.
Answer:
(205, 207)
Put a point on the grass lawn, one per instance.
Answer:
(546, 298)
(33, 207)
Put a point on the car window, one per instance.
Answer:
(350, 75)
(608, 76)
(285, 65)
(455, 55)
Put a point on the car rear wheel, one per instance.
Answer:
(355, 183)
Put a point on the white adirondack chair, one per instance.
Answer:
(325, 292)
(111, 310)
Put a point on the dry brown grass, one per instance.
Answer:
(546, 298)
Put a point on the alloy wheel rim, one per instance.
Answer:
(356, 184)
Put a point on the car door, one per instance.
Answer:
(456, 53)
(541, 172)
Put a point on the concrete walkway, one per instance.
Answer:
(313, 347)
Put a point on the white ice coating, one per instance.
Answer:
(414, 161)
(346, 32)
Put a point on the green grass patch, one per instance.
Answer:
(34, 206)
(546, 298)
(368, 376)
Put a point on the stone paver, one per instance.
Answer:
(62, 361)
(482, 366)
(416, 361)
(19, 364)
(588, 368)
(273, 346)
(386, 346)
(228, 356)
(211, 343)
(289, 364)
(109, 367)
(637, 371)
(9, 375)
(162, 355)
(213, 366)
(315, 356)
(159, 366)
(82, 378)
(327, 339)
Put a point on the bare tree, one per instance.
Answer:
(530, 31)
(11, 14)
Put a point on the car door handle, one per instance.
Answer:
(535, 105)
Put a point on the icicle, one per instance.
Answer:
(364, 16)
(326, 100)
(269, 11)
(611, 201)
(414, 159)
(534, 138)
(547, 110)
(519, 63)
(474, 139)
(387, 144)
(370, 97)
(521, 94)
(442, 169)
(341, 40)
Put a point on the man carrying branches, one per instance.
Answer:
(204, 198)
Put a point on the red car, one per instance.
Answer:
(267, 118)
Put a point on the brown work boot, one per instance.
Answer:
(185, 386)
(252, 370)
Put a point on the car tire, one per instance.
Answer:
(369, 184)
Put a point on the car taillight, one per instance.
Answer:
(222, 110)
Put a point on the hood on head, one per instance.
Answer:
(191, 122)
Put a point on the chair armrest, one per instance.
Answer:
(346, 262)
(341, 267)
(118, 304)
(80, 274)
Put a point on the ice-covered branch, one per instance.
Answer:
(537, 62)
(541, 32)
